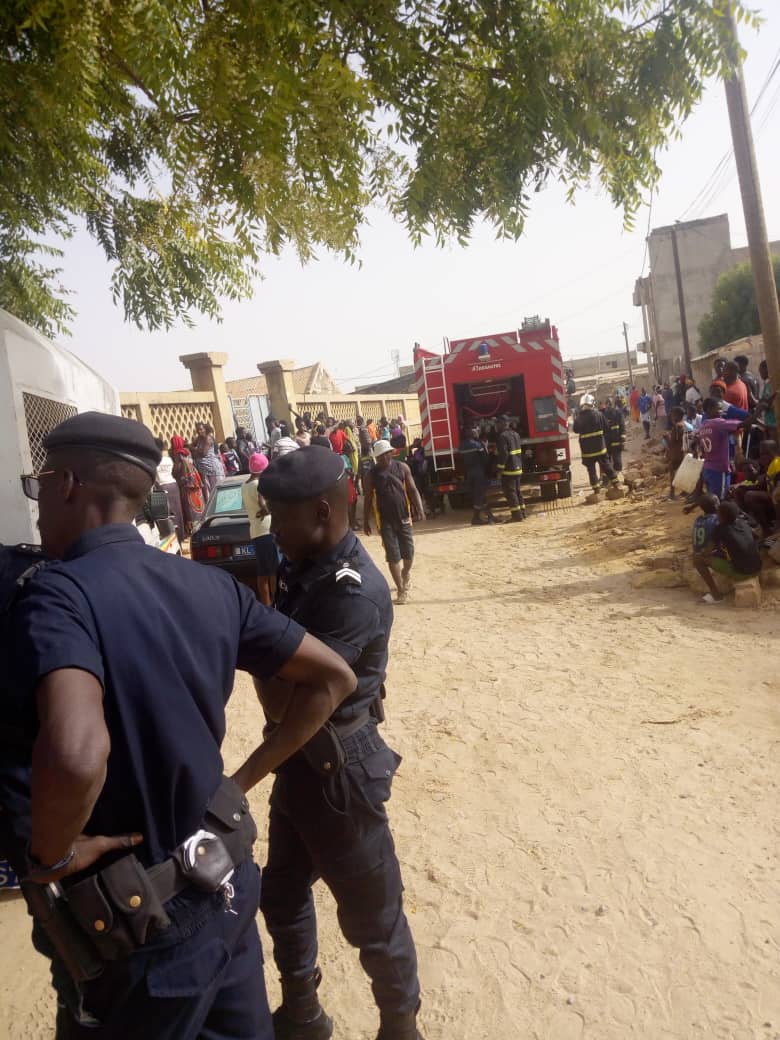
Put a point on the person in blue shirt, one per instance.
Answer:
(645, 411)
(328, 818)
(131, 817)
(704, 526)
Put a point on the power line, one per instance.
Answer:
(724, 172)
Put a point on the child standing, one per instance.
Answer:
(676, 441)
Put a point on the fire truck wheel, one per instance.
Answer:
(564, 488)
(458, 500)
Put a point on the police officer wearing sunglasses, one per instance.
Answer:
(139, 866)
(328, 818)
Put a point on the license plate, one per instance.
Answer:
(242, 551)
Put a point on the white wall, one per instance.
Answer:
(31, 363)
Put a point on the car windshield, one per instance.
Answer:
(228, 500)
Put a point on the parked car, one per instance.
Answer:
(221, 538)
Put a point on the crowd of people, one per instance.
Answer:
(378, 461)
(729, 431)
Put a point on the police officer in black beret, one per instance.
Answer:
(139, 864)
(328, 817)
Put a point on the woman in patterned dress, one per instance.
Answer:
(207, 458)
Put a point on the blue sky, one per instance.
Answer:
(574, 264)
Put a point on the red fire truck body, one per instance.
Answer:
(519, 374)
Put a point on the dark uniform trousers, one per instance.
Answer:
(200, 978)
(337, 829)
(510, 469)
(513, 493)
(602, 463)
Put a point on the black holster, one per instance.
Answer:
(72, 946)
(117, 910)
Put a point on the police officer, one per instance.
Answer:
(162, 939)
(328, 817)
(17, 562)
(509, 447)
(15, 746)
(591, 426)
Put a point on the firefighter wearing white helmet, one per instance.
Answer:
(592, 428)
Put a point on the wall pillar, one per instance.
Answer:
(206, 373)
(281, 390)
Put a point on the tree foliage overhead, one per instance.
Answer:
(734, 311)
(194, 136)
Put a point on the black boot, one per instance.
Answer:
(301, 1017)
(476, 519)
(398, 1026)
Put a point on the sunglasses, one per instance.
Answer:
(31, 482)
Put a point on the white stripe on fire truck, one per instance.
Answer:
(535, 345)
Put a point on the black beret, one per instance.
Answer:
(112, 434)
(301, 475)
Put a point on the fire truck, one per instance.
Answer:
(518, 374)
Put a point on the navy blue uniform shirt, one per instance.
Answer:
(163, 635)
(15, 744)
(352, 615)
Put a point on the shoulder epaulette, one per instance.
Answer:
(347, 573)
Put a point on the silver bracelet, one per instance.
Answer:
(41, 868)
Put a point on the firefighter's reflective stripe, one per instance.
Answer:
(593, 454)
(596, 433)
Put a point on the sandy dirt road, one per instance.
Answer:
(586, 812)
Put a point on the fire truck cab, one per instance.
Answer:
(519, 374)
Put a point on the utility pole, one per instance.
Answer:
(628, 355)
(753, 207)
(681, 303)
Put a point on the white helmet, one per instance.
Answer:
(380, 448)
(587, 401)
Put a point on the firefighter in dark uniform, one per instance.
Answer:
(509, 448)
(615, 434)
(150, 846)
(592, 429)
(328, 818)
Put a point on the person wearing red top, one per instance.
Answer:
(736, 390)
(337, 439)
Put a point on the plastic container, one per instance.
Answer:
(687, 476)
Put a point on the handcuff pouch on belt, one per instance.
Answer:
(117, 910)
